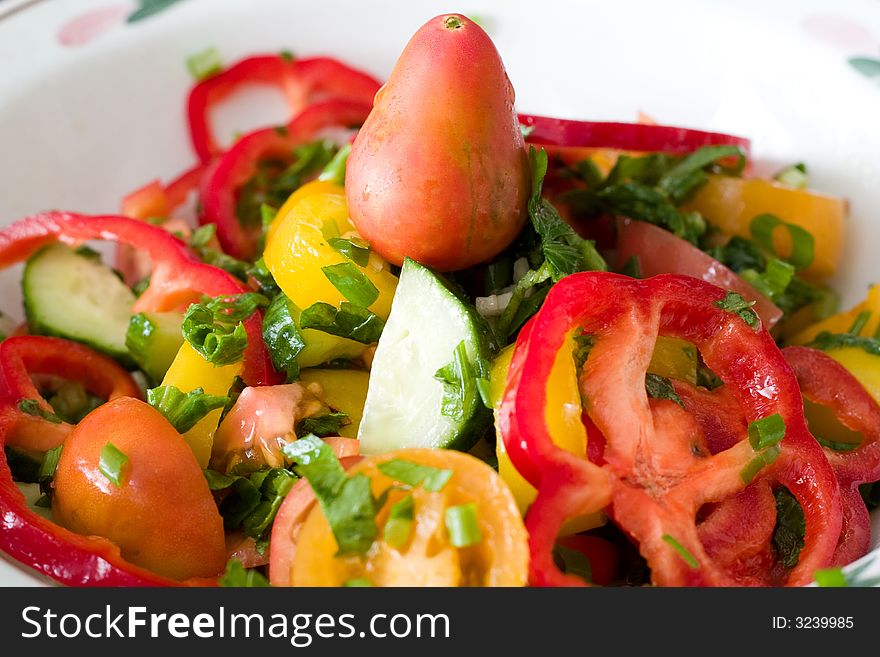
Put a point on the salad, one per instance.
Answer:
(413, 338)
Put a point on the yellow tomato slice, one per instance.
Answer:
(731, 203)
(189, 371)
(427, 558)
(343, 390)
(841, 322)
(299, 249)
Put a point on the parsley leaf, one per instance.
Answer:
(350, 321)
(323, 425)
(347, 502)
(352, 283)
(734, 303)
(788, 535)
(416, 474)
(659, 387)
(214, 327)
(463, 381)
(282, 336)
(237, 576)
(183, 410)
(33, 407)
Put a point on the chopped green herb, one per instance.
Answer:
(282, 336)
(460, 387)
(830, 577)
(734, 303)
(794, 175)
(204, 64)
(183, 410)
(358, 582)
(334, 171)
(214, 327)
(266, 282)
(274, 485)
(323, 425)
(287, 56)
(683, 552)
(347, 502)
(762, 460)
(766, 432)
(237, 576)
(399, 525)
(415, 474)
(573, 562)
(350, 321)
(788, 534)
(463, 525)
(218, 480)
(837, 446)
(632, 268)
(859, 323)
(351, 283)
(113, 464)
(827, 341)
(33, 407)
(659, 387)
(802, 243)
(356, 250)
(688, 175)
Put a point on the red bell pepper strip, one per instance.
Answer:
(658, 472)
(23, 357)
(660, 252)
(239, 164)
(624, 136)
(303, 82)
(826, 382)
(178, 276)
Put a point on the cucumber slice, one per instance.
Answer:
(153, 339)
(404, 406)
(75, 296)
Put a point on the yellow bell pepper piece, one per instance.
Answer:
(313, 187)
(322, 347)
(298, 249)
(841, 322)
(343, 390)
(674, 359)
(730, 204)
(564, 421)
(189, 371)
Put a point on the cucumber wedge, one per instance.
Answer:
(153, 339)
(428, 331)
(75, 296)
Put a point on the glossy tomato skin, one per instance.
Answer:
(162, 516)
(439, 171)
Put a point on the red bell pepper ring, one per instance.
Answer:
(658, 472)
(826, 382)
(178, 277)
(303, 81)
(624, 136)
(24, 357)
(239, 164)
(660, 252)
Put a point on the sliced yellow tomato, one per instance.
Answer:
(189, 371)
(343, 390)
(427, 557)
(298, 250)
(841, 322)
(731, 203)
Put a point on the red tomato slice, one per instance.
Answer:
(660, 252)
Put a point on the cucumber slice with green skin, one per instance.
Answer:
(404, 406)
(75, 296)
(153, 339)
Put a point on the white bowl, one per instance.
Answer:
(92, 107)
